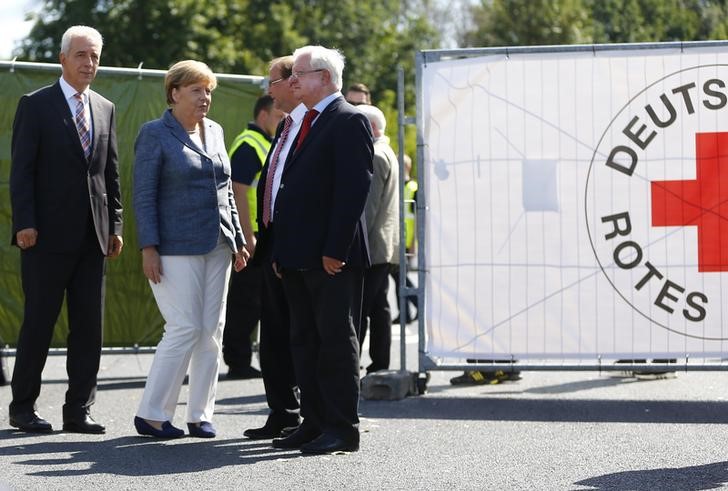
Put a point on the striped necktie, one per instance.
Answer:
(268, 192)
(82, 125)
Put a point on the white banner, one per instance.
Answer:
(577, 204)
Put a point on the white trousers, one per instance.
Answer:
(191, 298)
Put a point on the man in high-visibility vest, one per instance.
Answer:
(247, 156)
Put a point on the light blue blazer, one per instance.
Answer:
(183, 196)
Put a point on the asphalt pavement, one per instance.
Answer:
(549, 430)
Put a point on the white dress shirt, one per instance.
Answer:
(68, 93)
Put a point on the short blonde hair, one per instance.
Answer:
(284, 64)
(187, 72)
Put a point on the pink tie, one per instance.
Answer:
(82, 125)
(305, 126)
(268, 192)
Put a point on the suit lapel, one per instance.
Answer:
(179, 132)
(317, 129)
(209, 140)
(263, 178)
(60, 105)
(98, 122)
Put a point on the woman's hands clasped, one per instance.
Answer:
(240, 259)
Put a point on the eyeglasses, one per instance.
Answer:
(301, 73)
(273, 82)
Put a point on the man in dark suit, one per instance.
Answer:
(320, 249)
(66, 205)
(276, 362)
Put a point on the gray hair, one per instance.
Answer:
(80, 32)
(327, 59)
(374, 115)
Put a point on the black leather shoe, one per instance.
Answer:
(30, 422)
(272, 428)
(301, 436)
(328, 443)
(288, 431)
(83, 424)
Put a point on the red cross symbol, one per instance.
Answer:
(702, 202)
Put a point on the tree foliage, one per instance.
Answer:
(543, 22)
(241, 36)
(631, 21)
(528, 22)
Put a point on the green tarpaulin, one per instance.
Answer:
(131, 316)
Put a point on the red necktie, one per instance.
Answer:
(305, 126)
(82, 125)
(268, 192)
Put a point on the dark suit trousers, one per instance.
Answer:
(276, 361)
(3, 381)
(325, 311)
(375, 307)
(46, 277)
(241, 317)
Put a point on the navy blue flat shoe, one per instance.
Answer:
(167, 431)
(202, 430)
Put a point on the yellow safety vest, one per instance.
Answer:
(410, 188)
(261, 145)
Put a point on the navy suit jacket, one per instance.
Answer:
(53, 187)
(183, 195)
(319, 208)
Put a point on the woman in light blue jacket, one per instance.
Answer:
(188, 230)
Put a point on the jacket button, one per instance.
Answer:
(281, 186)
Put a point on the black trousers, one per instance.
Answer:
(46, 278)
(325, 312)
(375, 307)
(3, 381)
(276, 361)
(242, 316)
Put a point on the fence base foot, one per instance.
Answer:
(389, 385)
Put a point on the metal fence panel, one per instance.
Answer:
(131, 316)
(569, 206)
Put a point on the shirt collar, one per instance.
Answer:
(298, 113)
(323, 103)
(69, 91)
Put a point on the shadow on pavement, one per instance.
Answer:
(135, 383)
(242, 405)
(569, 387)
(693, 478)
(233, 401)
(567, 410)
(139, 456)
(116, 383)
